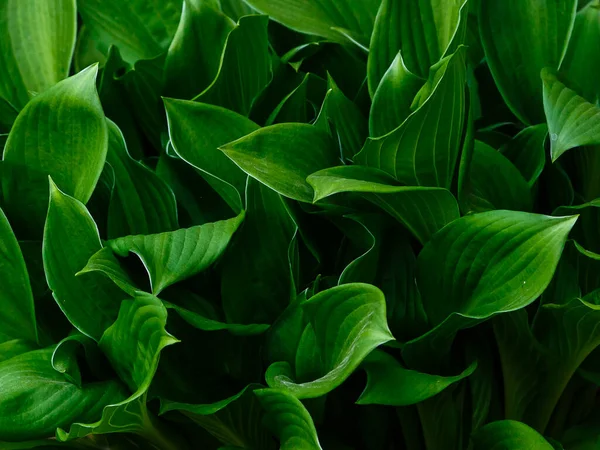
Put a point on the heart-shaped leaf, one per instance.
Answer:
(508, 435)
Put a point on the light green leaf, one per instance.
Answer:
(197, 130)
(349, 321)
(267, 155)
(15, 347)
(132, 344)
(61, 133)
(581, 61)
(389, 383)
(413, 156)
(508, 435)
(321, 17)
(64, 358)
(91, 301)
(520, 250)
(105, 262)
(141, 29)
(393, 98)
(195, 54)
(174, 256)
(141, 203)
(495, 183)
(256, 279)
(245, 67)
(35, 399)
(527, 152)
(422, 210)
(520, 38)
(234, 421)
(17, 320)
(572, 121)
(422, 30)
(37, 39)
(288, 419)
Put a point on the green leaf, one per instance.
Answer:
(35, 399)
(422, 210)
(323, 17)
(64, 358)
(173, 256)
(205, 324)
(423, 31)
(17, 320)
(245, 67)
(393, 98)
(495, 183)
(264, 155)
(520, 38)
(427, 158)
(141, 29)
(349, 321)
(197, 130)
(141, 203)
(389, 383)
(105, 262)
(229, 420)
(256, 283)
(527, 152)
(36, 43)
(581, 60)
(520, 250)
(132, 344)
(301, 103)
(288, 419)
(572, 121)
(195, 54)
(61, 133)
(91, 301)
(508, 435)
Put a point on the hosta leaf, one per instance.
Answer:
(245, 67)
(572, 121)
(520, 250)
(174, 256)
(141, 29)
(349, 322)
(256, 283)
(36, 43)
(323, 17)
(422, 210)
(90, 301)
(265, 156)
(495, 183)
(206, 324)
(65, 357)
(197, 130)
(389, 383)
(61, 133)
(234, 421)
(288, 419)
(527, 152)
(427, 158)
(105, 261)
(132, 344)
(393, 97)
(17, 320)
(508, 435)
(423, 31)
(581, 60)
(195, 53)
(345, 121)
(301, 103)
(36, 399)
(520, 38)
(141, 203)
